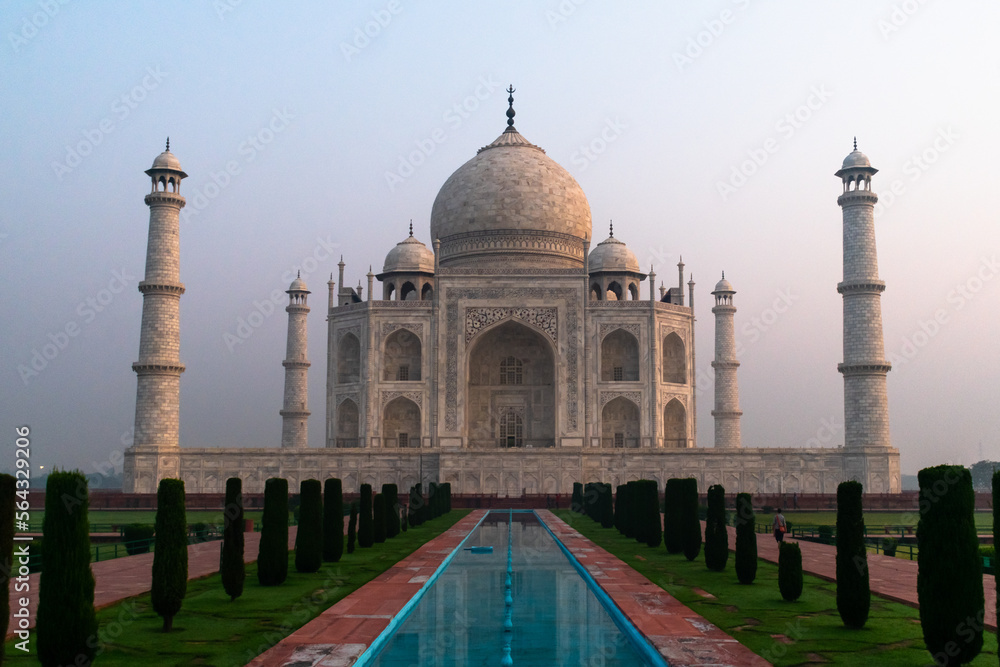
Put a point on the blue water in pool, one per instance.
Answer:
(557, 620)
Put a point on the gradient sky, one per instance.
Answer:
(709, 130)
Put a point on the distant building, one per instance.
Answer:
(510, 357)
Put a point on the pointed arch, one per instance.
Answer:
(401, 423)
(674, 359)
(595, 292)
(402, 357)
(407, 292)
(674, 425)
(427, 292)
(614, 292)
(619, 357)
(620, 423)
(633, 292)
(348, 359)
(348, 424)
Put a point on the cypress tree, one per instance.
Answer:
(716, 535)
(651, 504)
(619, 501)
(690, 526)
(746, 540)
(333, 520)
(170, 558)
(352, 528)
(309, 537)
(231, 565)
(607, 507)
(379, 520)
(272, 559)
(673, 537)
(576, 504)
(996, 538)
(390, 496)
(366, 523)
(949, 567)
(433, 499)
(66, 620)
(853, 592)
(790, 570)
(8, 498)
(632, 512)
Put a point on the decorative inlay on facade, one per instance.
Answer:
(608, 396)
(573, 318)
(353, 395)
(506, 271)
(666, 398)
(414, 396)
(354, 329)
(666, 330)
(609, 328)
(415, 327)
(478, 319)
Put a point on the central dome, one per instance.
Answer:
(512, 205)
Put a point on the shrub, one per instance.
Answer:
(746, 540)
(309, 537)
(690, 527)
(576, 504)
(949, 569)
(352, 528)
(672, 536)
(272, 559)
(651, 512)
(889, 545)
(790, 570)
(366, 522)
(825, 534)
(231, 565)
(199, 531)
(607, 511)
(378, 523)
(170, 559)
(853, 592)
(716, 535)
(136, 537)
(433, 501)
(65, 620)
(390, 496)
(416, 505)
(447, 496)
(333, 520)
(8, 498)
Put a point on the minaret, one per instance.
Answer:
(727, 411)
(866, 407)
(158, 371)
(295, 413)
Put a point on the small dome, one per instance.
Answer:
(409, 256)
(298, 285)
(856, 159)
(724, 286)
(613, 255)
(167, 160)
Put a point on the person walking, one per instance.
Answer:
(780, 526)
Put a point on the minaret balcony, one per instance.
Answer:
(862, 286)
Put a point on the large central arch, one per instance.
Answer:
(511, 388)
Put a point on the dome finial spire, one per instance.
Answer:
(855, 143)
(510, 100)
(411, 227)
(611, 228)
(168, 144)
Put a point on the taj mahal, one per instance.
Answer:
(510, 355)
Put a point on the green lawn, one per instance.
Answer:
(211, 630)
(121, 517)
(808, 631)
(984, 520)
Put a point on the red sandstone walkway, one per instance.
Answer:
(344, 631)
(127, 577)
(892, 578)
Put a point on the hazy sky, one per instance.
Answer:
(710, 130)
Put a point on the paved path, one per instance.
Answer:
(892, 578)
(127, 577)
(344, 631)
